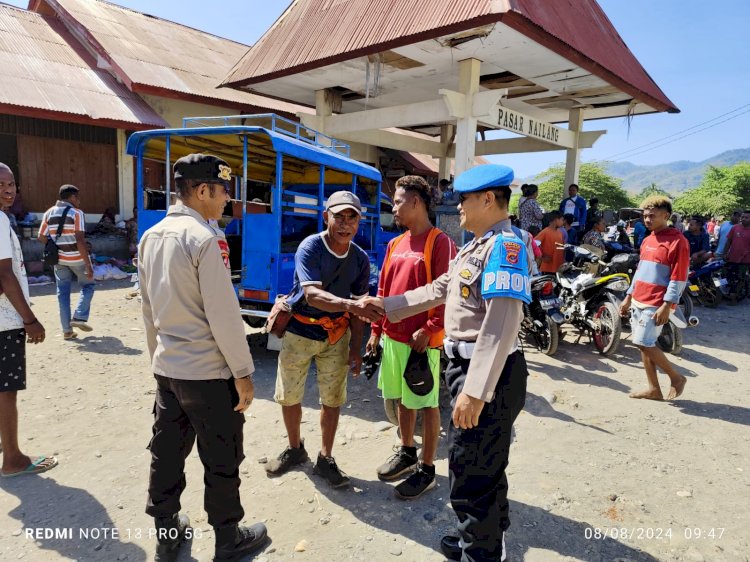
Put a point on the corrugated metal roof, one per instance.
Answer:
(156, 54)
(41, 70)
(316, 33)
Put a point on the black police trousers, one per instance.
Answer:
(184, 410)
(478, 457)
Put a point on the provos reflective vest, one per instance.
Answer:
(507, 271)
(436, 339)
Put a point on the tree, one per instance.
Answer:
(651, 189)
(513, 205)
(722, 190)
(593, 181)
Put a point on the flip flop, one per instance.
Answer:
(41, 464)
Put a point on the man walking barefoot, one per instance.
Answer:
(657, 285)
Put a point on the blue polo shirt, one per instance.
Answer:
(346, 276)
(698, 242)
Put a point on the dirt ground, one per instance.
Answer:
(594, 475)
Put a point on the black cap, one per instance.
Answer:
(202, 167)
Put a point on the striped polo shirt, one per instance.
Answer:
(66, 244)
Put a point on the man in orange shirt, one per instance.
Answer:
(551, 239)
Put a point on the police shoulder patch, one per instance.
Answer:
(224, 249)
(512, 249)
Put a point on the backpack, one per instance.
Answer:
(51, 254)
(436, 340)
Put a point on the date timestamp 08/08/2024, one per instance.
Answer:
(653, 533)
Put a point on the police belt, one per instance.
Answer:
(458, 349)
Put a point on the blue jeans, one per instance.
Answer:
(64, 275)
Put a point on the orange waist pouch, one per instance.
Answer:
(336, 327)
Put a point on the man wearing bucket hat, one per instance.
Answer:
(201, 361)
(483, 291)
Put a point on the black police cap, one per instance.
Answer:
(202, 167)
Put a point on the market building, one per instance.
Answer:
(377, 70)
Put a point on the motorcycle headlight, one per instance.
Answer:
(619, 285)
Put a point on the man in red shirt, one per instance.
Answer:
(738, 249)
(414, 259)
(657, 285)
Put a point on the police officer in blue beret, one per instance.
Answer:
(483, 291)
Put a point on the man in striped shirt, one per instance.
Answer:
(657, 286)
(74, 261)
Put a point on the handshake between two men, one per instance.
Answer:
(369, 309)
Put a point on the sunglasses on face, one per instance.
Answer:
(225, 186)
(464, 196)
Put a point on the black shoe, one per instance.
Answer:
(422, 480)
(233, 543)
(170, 533)
(287, 459)
(451, 548)
(329, 470)
(403, 461)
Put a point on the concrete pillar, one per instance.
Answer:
(466, 126)
(573, 156)
(446, 139)
(125, 177)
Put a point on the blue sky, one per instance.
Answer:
(698, 52)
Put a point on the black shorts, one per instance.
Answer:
(12, 360)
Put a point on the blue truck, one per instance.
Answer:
(283, 174)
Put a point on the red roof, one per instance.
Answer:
(159, 57)
(316, 33)
(45, 73)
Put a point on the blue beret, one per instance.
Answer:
(486, 176)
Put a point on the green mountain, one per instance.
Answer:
(674, 177)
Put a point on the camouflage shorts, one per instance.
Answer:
(331, 363)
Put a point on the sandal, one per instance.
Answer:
(41, 464)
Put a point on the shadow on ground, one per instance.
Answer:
(724, 412)
(539, 407)
(105, 345)
(46, 504)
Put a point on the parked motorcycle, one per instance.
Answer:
(707, 284)
(670, 339)
(590, 302)
(542, 317)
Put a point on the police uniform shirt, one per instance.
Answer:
(194, 330)
(492, 324)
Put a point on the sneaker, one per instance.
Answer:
(170, 535)
(81, 325)
(405, 460)
(329, 470)
(234, 543)
(422, 480)
(287, 459)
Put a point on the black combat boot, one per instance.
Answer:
(235, 542)
(170, 534)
